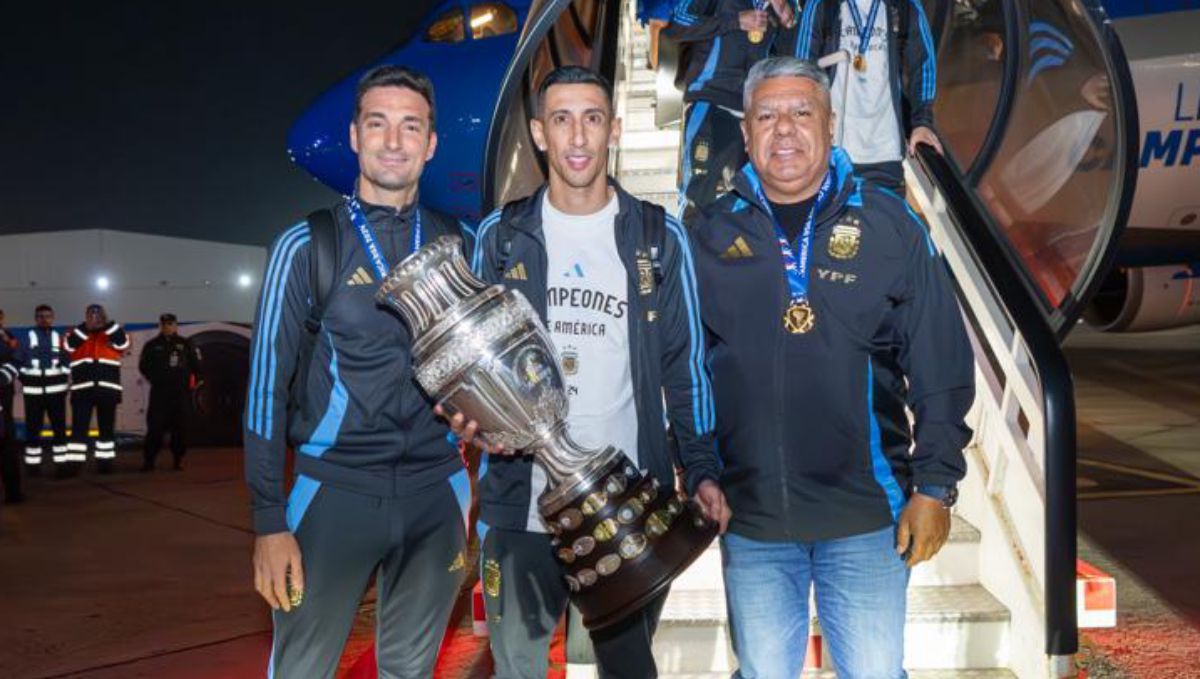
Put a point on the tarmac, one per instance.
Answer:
(148, 575)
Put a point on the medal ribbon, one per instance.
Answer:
(797, 268)
(864, 31)
(366, 236)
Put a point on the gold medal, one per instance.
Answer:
(860, 63)
(799, 318)
(755, 36)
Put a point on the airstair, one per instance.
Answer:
(1035, 110)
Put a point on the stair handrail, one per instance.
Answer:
(1057, 393)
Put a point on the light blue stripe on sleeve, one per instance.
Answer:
(484, 226)
(804, 38)
(272, 287)
(710, 67)
(929, 68)
(273, 321)
(702, 400)
(879, 464)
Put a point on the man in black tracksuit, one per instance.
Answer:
(582, 237)
(718, 39)
(170, 364)
(815, 495)
(371, 494)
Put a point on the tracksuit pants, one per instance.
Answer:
(713, 152)
(525, 595)
(103, 402)
(414, 545)
(37, 409)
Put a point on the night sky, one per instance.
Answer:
(170, 117)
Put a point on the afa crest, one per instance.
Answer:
(844, 241)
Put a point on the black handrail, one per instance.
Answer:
(1058, 397)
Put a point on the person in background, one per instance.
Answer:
(721, 40)
(883, 95)
(44, 381)
(171, 364)
(96, 346)
(10, 463)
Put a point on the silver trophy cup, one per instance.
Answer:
(482, 351)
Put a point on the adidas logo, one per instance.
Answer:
(517, 273)
(575, 271)
(739, 250)
(360, 277)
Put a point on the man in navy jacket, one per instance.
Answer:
(808, 275)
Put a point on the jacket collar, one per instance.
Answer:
(748, 187)
(527, 217)
(379, 215)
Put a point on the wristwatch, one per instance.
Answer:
(947, 495)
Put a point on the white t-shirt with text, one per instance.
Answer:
(587, 309)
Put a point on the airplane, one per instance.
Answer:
(466, 49)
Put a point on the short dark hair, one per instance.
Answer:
(573, 75)
(42, 307)
(391, 75)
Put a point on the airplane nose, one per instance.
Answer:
(323, 149)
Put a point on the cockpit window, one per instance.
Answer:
(490, 19)
(449, 27)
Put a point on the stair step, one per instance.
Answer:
(949, 627)
(648, 181)
(648, 159)
(654, 139)
(669, 200)
(639, 120)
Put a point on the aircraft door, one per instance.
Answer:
(1036, 110)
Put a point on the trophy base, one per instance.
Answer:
(622, 539)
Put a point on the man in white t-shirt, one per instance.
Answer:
(622, 311)
(883, 94)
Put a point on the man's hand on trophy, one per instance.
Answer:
(712, 503)
(466, 430)
(278, 574)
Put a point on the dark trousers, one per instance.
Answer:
(889, 175)
(713, 153)
(525, 595)
(37, 409)
(10, 459)
(168, 413)
(413, 544)
(103, 402)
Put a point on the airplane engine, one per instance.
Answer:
(1147, 298)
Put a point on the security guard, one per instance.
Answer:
(44, 377)
(171, 364)
(96, 347)
(807, 275)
